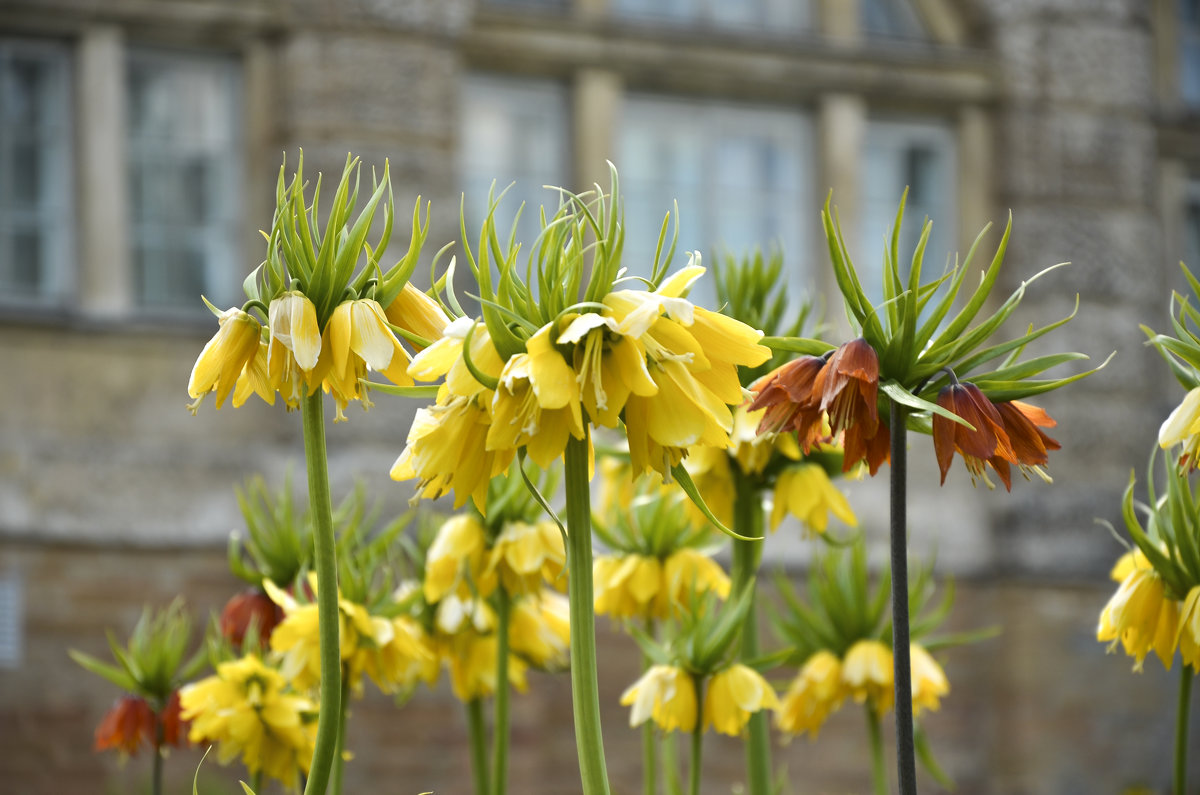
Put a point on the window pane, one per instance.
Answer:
(514, 133)
(890, 18)
(35, 220)
(1191, 230)
(183, 169)
(738, 175)
(921, 157)
(763, 16)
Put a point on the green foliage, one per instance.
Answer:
(279, 545)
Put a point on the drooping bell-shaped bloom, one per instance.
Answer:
(417, 313)
(1182, 427)
(868, 674)
(815, 694)
(251, 607)
(126, 727)
(609, 366)
(1188, 634)
(455, 561)
(985, 443)
(247, 709)
(1125, 565)
(689, 571)
(788, 401)
(404, 656)
(929, 681)
(361, 341)
(806, 492)
(540, 630)
(1143, 617)
(224, 357)
(665, 694)
(472, 663)
(628, 586)
(525, 555)
(733, 695)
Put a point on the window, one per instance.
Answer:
(35, 172)
(891, 19)
(514, 132)
(183, 121)
(1189, 52)
(12, 610)
(739, 175)
(753, 15)
(1191, 226)
(921, 157)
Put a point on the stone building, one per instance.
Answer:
(139, 143)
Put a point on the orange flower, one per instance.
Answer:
(251, 605)
(987, 444)
(1023, 423)
(175, 728)
(848, 385)
(126, 726)
(790, 402)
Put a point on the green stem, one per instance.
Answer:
(256, 783)
(585, 693)
(878, 766)
(339, 760)
(500, 708)
(649, 746)
(697, 741)
(156, 779)
(747, 555)
(321, 512)
(1181, 729)
(906, 765)
(670, 760)
(477, 738)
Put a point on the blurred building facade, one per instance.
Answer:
(140, 141)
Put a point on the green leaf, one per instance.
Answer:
(925, 754)
(905, 398)
(685, 482)
(112, 673)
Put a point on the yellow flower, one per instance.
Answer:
(1125, 565)
(540, 630)
(806, 492)
(223, 358)
(929, 681)
(1183, 427)
(246, 709)
(295, 336)
(473, 667)
(664, 694)
(457, 615)
(445, 358)
(609, 366)
(524, 554)
(1188, 634)
(408, 657)
(1142, 617)
(689, 570)
(629, 586)
(360, 339)
(735, 694)
(536, 405)
(867, 673)
(455, 560)
(447, 449)
(710, 469)
(415, 312)
(254, 379)
(815, 694)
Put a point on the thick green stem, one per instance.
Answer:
(321, 512)
(477, 738)
(670, 764)
(697, 742)
(879, 780)
(747, 555)
(906, 765)
(585, 693)
(500, 713)
(649, 746)
(156, 776)
(1181, 729)
(339, 760)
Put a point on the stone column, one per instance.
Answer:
(103, 248)
(595, 115)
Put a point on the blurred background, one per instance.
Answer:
(139, 145)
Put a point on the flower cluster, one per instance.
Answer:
(667, 695)
(310, 322)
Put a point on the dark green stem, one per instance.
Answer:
(649, 746)
(747, 555)
(500, 708)
(339, 761)
(1181, 729)
(321, 512)
(585, 693)
(477, 738)
(697, 741)
(878, 766)
(906, 765)
(156, 779)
